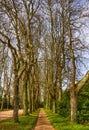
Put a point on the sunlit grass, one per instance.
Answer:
(25, 123)
(61, 123)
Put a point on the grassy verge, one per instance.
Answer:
(61, 123)
(26, 123)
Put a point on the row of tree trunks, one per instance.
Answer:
(45, 30)
(21, 49)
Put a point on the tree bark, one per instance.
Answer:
(73, 99)
(54, 106)
(16, 96)
(73, 103)
(25, 94)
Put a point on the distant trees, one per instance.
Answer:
(65, 47)
(4, 78)
(17, 33)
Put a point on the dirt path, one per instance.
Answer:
(43, 123)
(7, 114)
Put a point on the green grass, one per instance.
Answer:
(61, 123)
(26, 123)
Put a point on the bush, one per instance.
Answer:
(83, 105)
(63, 107)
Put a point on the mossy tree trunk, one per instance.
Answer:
(73, 96)
(25, 93)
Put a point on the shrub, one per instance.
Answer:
(63, 107)
(83, 105)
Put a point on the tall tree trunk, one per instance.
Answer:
(73, 96)
(16, 96)
(25, 94)
(46, 98)
(54, 106)
(32, 98)
(73, 103)
(59, 84)
(29, 94)
(8, 101)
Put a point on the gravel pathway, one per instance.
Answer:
(43, 122)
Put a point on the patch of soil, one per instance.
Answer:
(8, 114)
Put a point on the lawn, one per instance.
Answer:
(25, 123)
(61, 123)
